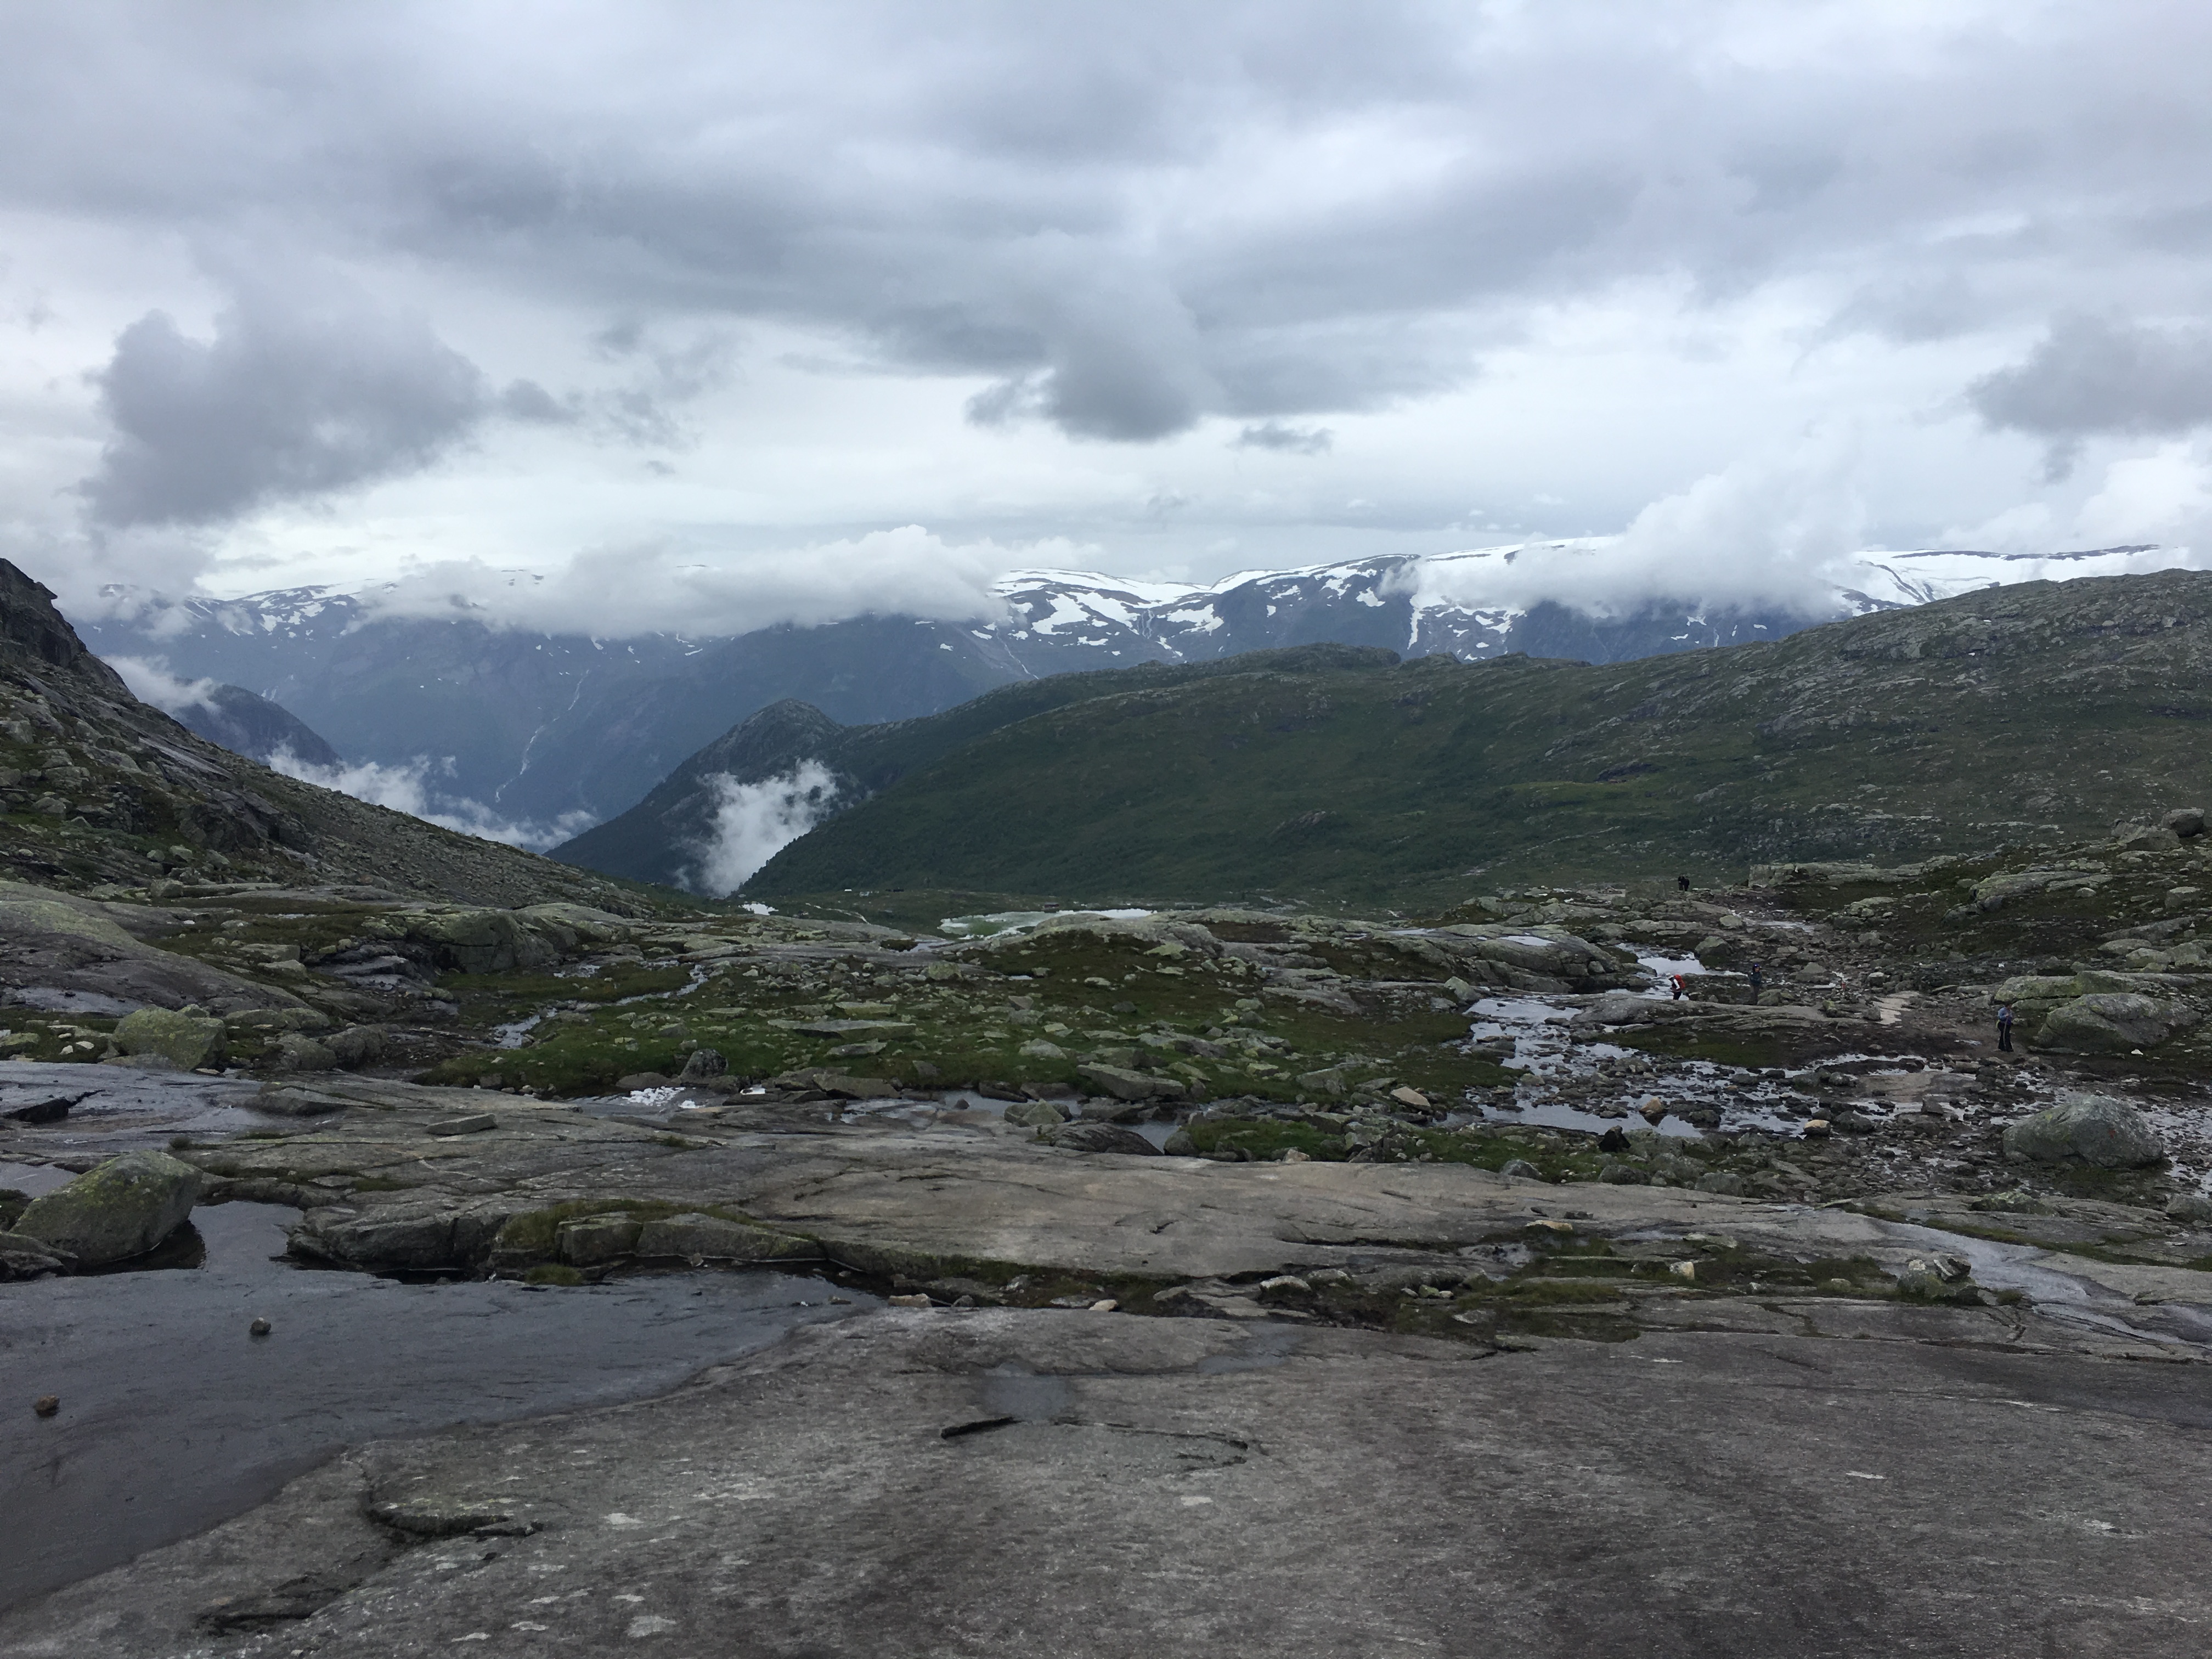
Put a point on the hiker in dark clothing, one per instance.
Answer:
(2004, 1027)
(1758, 980)
(1682, 881)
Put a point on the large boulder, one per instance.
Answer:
(2111, 1023)
(188, 1040)
(122, 1208)
(483, 941)
(1542, 958)
(2086, 1129)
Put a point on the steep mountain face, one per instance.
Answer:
(101, 790)
(255, 727)
(2018, 714)
(545, 728)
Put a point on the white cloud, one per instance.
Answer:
(754, 822)
(615, 591)
(2161, 498)
(152, 683)
(1773, 532)
(412, 788)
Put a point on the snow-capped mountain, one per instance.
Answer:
(535, 735)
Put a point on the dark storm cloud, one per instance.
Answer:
(280, 402)
(2090, 377)
(1126, 218)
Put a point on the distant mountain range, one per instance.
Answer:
(534, 736)
(1341, 773)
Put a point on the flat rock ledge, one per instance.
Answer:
(1000, 1483)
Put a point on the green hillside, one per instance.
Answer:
(2020, 713)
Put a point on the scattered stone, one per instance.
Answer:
(914, 1301)
(259, 1326)
(1405, 1095)
(2086, 1128)
(638, 1082)
(46, 1404)
(1035, 1114)
(1521, 1170)
(121, 1209)
(474, 1123)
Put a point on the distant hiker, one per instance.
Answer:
(2004, 1027)
(1680, 989)
(1758, 980)
(1682, 881)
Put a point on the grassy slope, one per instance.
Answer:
(2021, 713)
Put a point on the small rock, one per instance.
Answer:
(1684, 1270)
(915, 1301)
(703, 1065)
(475, 1123)
(46, 1404)
(1816, 1129)
(1521, 1168)
(2192, 1209)
(1105, 1305)
(638, 1081)
(260, 1328)
(1653, 1109)
(1405, 1095)
(1090, 1135)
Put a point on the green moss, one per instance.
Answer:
(553, 1273)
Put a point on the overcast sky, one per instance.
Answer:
(857, 304)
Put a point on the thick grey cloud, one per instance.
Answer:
(1131, 217)
(850, 265)
(2089, 376)
(282, 402)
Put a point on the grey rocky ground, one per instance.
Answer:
(1491, 1299)
(1831, 1477)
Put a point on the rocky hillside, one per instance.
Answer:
(102, 791)
(2014, 714)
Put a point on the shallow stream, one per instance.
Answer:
(173, 1418)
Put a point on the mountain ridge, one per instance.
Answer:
(2025, 711)
(541, 726)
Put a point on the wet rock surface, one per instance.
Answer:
(172, 1415)
(1107, 1485)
